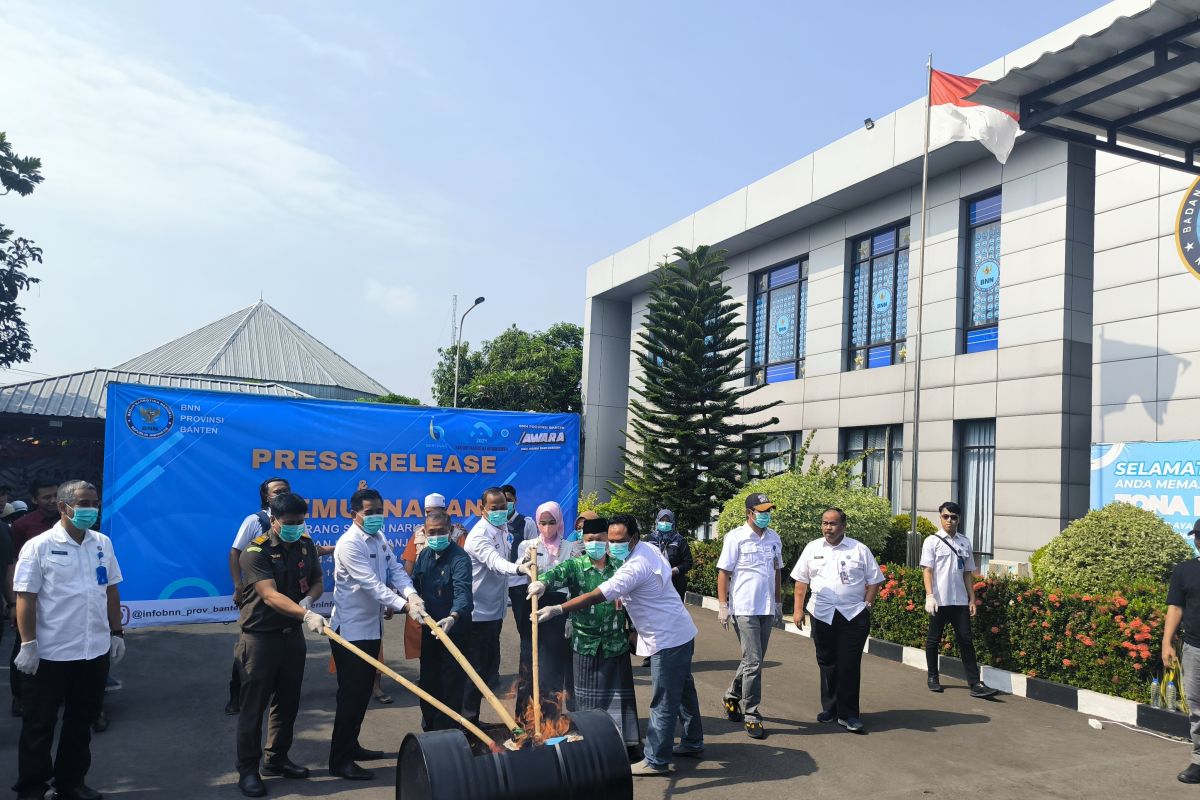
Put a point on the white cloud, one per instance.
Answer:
(392, 299)
(318, 48)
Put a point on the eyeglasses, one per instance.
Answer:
(951, 517)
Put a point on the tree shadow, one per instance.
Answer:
(736, 765)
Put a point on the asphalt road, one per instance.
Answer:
(169, 737)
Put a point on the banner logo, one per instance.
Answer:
(1187, 242)
(149, 418)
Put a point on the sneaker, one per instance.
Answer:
(851, 724)
(934, 684)
(645, 768)
(687, 752)
(1190, 775)
(981, 689)
(733, 711)
(755, 729)
(827, 716)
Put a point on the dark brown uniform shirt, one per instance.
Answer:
(294, 567)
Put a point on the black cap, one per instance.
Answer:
(758, 502)
(594, 523)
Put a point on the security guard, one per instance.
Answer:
(283, 569)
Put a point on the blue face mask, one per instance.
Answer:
(372, 523)
(763, 519)
(290, 533)
(438, 543)
(84, 518)
(664, 526)
(618, 550)
(595, 550)
(497, 518)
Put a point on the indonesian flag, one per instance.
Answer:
(953, 118)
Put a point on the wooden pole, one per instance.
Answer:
(479, 682)
(412, 687)
(533, 641)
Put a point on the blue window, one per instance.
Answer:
(983, 278)
(779, 319)
(879, 299)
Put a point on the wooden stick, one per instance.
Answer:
(412, 687)
(537, 684)
(505, 717)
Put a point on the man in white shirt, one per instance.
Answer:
(844, 579)
(487, 544)
(368, 581)
(69, 618)
(948, 567)
(519, 528)
(748, 569)
(665, 632)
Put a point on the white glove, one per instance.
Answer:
(27, 659)
(415, 608)
(305, 603)
(723, 615)
(536, 589)
(314, 622)
(446, 623)
(117, 651)
(548, 613)
(930, 604)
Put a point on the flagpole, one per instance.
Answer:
(914, 538)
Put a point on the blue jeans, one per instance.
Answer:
(673, 697)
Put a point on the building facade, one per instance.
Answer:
(1057, 312)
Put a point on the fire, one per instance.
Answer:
(555, 720)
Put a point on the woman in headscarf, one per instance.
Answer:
(554, 647)
(674, 546)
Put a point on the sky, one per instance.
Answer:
(357, 165)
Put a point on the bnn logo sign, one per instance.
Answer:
(543, 437)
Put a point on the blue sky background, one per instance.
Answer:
(358, 164)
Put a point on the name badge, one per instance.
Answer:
(102, 575)
(304, 585)
(59, 553)
(961, 563)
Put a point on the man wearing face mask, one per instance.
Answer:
(519, 529)
(487, 544)
(443, 577)
(69, 619)
(748, 575)
(283, 577)
(368, 579)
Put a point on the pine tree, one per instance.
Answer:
(688, 447)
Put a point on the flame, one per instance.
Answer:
(555, 720)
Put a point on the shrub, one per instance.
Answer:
(800, 498)
(896, 549)
(702, 578)
(1109, 548)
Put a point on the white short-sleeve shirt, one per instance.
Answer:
(754, 561)
(948, 557)
(251, 527)
(837, 576)
(72, 592)
(643, 582)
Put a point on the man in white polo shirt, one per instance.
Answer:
(665, 632)
(844, 579)
(751, 558)
(69, 617)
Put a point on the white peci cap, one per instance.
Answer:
(435, 501)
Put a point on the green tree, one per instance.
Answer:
(689, 440)
(516, 371)
(392, 399)
(20, 174)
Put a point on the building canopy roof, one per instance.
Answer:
(1132, 88)
(259, 344)
(81, 394)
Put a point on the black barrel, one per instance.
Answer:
(441, 766)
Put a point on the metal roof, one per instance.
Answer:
(81, 394)
(256, 343)
(1135, 84)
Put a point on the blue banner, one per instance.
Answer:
(182, 470)
(1163, 477)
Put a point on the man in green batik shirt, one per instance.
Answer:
(599, 634)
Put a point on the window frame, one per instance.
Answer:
(899, 346)
(892, 467)
(758, 373)
(968, 260)
(795, 440)
(968, 509)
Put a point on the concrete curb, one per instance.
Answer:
(1094, 704)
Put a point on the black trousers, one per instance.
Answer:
(15, 675)
(518, 596)
(271, 666)
(77, 687)
(556, 665)
(442, 676)
(960, 618)
(839, 647)
(235, 683)
(355, 679)
(483, 653)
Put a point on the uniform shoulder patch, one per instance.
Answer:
(305, 536)
(260, 539)
(253, 549)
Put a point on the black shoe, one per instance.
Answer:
(284, 767)
(755, 729)
(252, 785)
(80, 792)
(233, 707)
(352, 772)
(934, 684)
(18, 710)
(363, 754)
(733, 711)
(101, 723)
(827, 716)
(981, 689)
(1190, 775)
(852, 724)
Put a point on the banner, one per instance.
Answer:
(1163, 477)
(182, 470)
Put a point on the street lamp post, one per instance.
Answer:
(458, 346)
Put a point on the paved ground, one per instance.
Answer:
(170, 739)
